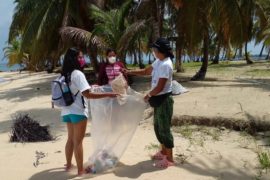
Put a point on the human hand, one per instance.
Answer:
(146, 98)
(124, 71)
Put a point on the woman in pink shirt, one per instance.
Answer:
(111, 69)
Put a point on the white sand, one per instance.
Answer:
(232, 157)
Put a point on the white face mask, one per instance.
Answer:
(112, 60)
(154, 55)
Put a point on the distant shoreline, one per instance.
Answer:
(5, 68)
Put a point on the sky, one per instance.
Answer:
(6, 12)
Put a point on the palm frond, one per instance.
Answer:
(81, 36)
(122, 13)
(130, 32)
(98, 14)
(22, 13)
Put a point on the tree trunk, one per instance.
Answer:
(160, 16)
(248, 60)
(178, 59)
(135, 58)
(229, 58)
(216, 58)
(141, 65)
(149, 60)
(224, 54)
(200, 75)
(205, 53)
(122, 58)
(234, 56)
(261, 53)
(241, 52)
(92, 52)
(156, 24)
(268, 55)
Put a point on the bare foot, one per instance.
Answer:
(81, 173)
(68, 167)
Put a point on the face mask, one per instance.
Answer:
(154, 55)
(112, 60)
(81, 61)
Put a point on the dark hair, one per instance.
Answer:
(70, 63)
(109, 50)
(163, 46)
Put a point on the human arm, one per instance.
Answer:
(160, 86)
(89, 95)
(139, 72)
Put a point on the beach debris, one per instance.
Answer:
(26, 129)
(222, 128)
(181, 158)
(87, 134)
(39, 155)
(103, 161)
(119, 85)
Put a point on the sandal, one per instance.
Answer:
(163, 164)
(158, 156)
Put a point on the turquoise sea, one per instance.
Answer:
(4, 67)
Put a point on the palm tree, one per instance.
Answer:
(12, 53)
(263, 28)
(231, 20)
(111, 30)
(40, 21)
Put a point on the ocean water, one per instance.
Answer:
(5, 68)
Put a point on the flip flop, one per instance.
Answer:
(158, 156)
(164, 163)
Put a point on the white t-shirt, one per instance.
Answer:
(78, 83)
(162, 69)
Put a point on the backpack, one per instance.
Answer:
(61, 93)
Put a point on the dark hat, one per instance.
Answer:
(163, 46)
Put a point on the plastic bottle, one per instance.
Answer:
(65, 87)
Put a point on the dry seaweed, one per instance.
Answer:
(26, 129)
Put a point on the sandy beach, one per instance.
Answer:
(201, 153)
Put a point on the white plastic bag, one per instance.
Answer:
(177, 88)
(113, 126)
(119, 85)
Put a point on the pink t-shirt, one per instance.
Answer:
(113, 71)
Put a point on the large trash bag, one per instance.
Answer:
(114, 121)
